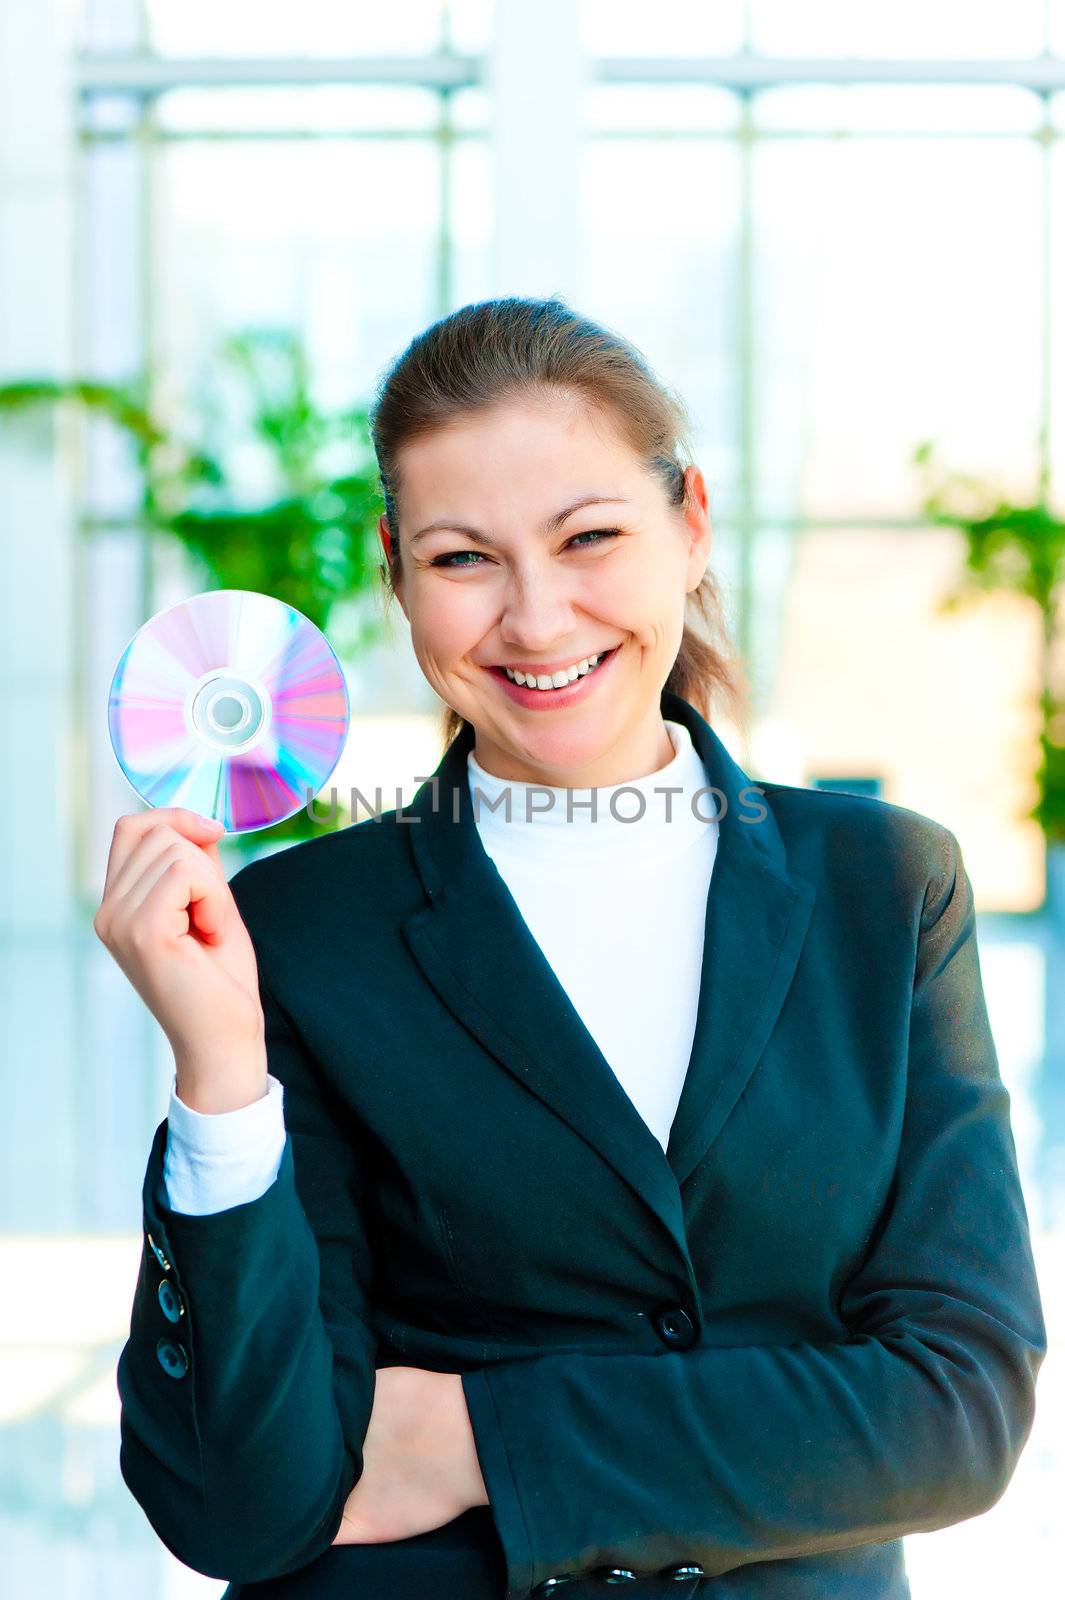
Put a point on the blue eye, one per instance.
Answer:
(447, 561)
(595, 533)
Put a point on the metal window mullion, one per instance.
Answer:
(144, 73)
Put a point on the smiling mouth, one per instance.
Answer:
(556, 688)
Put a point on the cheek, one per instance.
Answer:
(446, 625)
(642, 595)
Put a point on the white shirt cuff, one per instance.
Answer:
(214, 1160)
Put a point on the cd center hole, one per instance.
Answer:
(227, 712)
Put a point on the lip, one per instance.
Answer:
(555, 699)
(536, 667)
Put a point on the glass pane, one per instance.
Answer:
(896, 298)
(471, 222)
(668, 28)
(949, 28)
(872, 680)
(653, 108)
(471, 110)
(311, 28)
(904, 109)
(469, 25)
(106, 25)
(338, 240)
(663, 272)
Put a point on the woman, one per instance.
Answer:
(615, 1189)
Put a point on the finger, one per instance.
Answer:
(210, 850)
(148, 862)
(130, 883)
(179, 892)
(132, 828)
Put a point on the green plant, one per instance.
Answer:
(1020, 549)
(305, 534)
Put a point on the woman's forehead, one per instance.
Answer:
(521, 446)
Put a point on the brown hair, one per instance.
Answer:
(497, 350)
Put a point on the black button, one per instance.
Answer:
(173, 1358)
(676, 1327)
(171, 1301)
(616, 1575)
(158, 1254)
(549, 1585)
(682, 1573)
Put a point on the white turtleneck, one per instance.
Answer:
(616, 900)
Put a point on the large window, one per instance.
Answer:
(833, 229)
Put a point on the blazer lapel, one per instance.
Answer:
(478, 953)
(757, 916)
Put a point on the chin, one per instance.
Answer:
(577, 745)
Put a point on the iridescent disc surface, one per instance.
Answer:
(232, 704)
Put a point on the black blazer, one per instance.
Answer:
(742, 1367)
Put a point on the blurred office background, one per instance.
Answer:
(838, 230)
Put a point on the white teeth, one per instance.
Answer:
(554, 680)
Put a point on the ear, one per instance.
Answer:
(700, 529)
(385, 535)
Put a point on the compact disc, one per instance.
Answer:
(232, 704)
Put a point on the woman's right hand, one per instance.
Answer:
(169, 919)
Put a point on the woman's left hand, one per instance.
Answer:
(420, 1466)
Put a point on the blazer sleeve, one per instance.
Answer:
(724, 1456)
(247, 1381)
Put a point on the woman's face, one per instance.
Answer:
(500, 566)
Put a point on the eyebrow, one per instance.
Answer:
(445, 524)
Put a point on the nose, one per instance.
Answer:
(537, 611)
